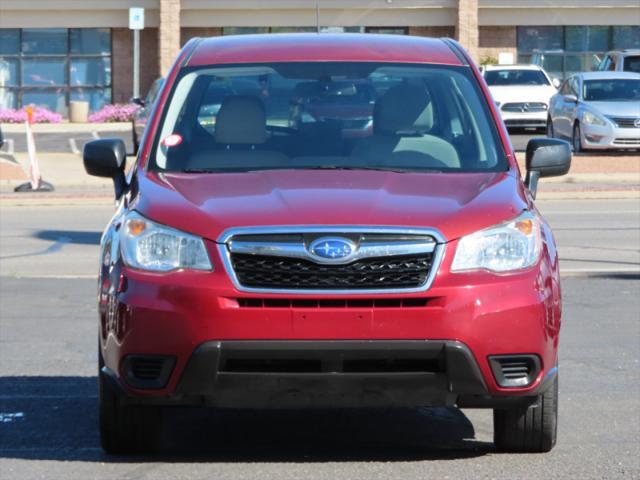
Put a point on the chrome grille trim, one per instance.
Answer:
(226, 245)
(299, 250)
(625, 122)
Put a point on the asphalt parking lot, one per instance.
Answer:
(48, 389)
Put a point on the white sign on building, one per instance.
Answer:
(136, 18)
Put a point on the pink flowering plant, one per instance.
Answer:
(118, 112)
(40, 115)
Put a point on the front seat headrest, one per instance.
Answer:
(241, 120)
(403, 107)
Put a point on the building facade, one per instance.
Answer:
(56, 51)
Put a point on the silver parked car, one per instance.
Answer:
(621, 61)
(597, 110)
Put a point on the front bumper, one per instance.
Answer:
(346, 374)
(524, 119)
(177, 314)
(608, 137)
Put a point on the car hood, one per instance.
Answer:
(208, 204)
(531, 93)
(615, 109)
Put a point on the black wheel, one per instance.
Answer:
(577, 139)
(126, 429)
(550, 128)
(531, 429)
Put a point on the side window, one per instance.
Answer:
(564, 90)
(604, 65)
(612, 63)
(573, 87)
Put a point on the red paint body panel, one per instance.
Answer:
(322, 48)
(207, 204)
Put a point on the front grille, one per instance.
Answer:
(627, 141)
(273, 272)
(312, 303)
(523, 107)
(512, 122)
(516, 370)
(625, 122)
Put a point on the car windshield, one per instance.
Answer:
(507, 77)
(618, 90)
(327, 115)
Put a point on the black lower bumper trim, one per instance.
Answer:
(282, 374)
(321, 374)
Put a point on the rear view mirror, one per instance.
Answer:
(107, 158)
(546, 157)
(556, 83)
(570, 98)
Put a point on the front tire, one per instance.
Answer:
(125, 429)
(577, 139)
(550, 132)
(532, 429)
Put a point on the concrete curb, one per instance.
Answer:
(68, 127)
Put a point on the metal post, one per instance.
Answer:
(136, 63)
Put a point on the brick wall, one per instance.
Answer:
(122, 62)
(188, 33)
(467, 26)
(494, 40)
(436, 32)
(169, 41)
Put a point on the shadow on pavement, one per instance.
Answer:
(70, 236)
(56, 418)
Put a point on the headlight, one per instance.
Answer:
(149, 246)
(511, 246)
(593, 119)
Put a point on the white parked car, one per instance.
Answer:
(597, 110)
(522, 93)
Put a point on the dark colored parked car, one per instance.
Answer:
(254, 264)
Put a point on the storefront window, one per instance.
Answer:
(531, 39)
(562, 51)
(50, 66)
(90, 41)
(587, 39)
(9, 41)
(90, 71)
(40, 72)
(8, 72)
(626, 37)
(44, 41)
(51, 98)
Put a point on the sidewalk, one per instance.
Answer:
(590, 176)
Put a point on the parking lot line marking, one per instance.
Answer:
(10, 146)
(73, 146)
(95, 135)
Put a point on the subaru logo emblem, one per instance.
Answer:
(636, 123)
(332, 249)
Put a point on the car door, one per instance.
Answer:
(561, 110)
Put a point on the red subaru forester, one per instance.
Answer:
(262, 257)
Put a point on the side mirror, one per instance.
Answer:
(546, 157)
(570, 98)
(137, 101)
(556, 83)
(107, 158)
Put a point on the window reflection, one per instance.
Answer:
(43, 71)
(45, 66)
(40, 41)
